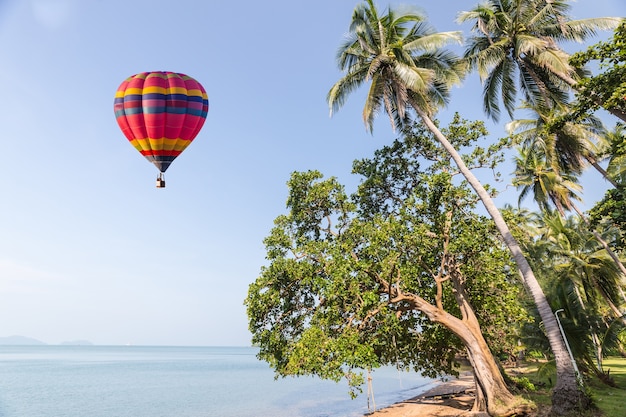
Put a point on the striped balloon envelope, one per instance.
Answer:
(161, 113)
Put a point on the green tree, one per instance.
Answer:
(583, 280)
(386, 277)
(402, 58)
(570, 254)
(610, 212)
(515, 47)
(608, 88)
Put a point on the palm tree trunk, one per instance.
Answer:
(566, 395)
(601, 170)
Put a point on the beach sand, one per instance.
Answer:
(447, 399)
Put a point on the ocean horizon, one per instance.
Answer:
(155, 381)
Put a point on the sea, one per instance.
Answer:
(142, 381)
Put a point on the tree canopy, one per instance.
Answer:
(607, 89)
(384, 276)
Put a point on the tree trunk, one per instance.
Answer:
(493, 395)
(602, 171)
(480, 403)
(566, 396)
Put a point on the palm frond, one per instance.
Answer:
(434, 41)
(491, 86)
(346, 85)
(527, 45)
(554, 61)
(526, 32)
(582, 29)
(373, 101)
(415, 78)
(401, 55)
(490, 57)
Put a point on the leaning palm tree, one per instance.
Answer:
(402, 58)
(515, 47)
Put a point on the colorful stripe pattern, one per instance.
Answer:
(160, 113)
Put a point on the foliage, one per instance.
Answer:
(535, 175)
(613, 148)
(514, 47)
(609, 400)
(580, 280)
(403, 59)
(608, 88)
(406, 72)
(611, 212)
(523, 383)
(348, 276)
(567, 146)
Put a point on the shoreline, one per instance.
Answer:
(444, 399)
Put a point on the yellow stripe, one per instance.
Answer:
(156, 89)
(133, 90)
(156, 144)
(152, 89)
(196, 93)
(141, 144)
(162, 144)
(136, 145)
(178, 90)
(181, 145)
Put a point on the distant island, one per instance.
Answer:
(20, 340)
(29, 341)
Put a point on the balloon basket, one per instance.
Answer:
(160, 181)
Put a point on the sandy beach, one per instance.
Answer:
(447, 399)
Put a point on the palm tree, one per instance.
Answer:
(533, 173)
(400, 56)
(569, 145)
(587, 282)
(588, 263)
(515, 46)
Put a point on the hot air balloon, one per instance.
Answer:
(160, 113)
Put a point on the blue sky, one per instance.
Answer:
(89, 248)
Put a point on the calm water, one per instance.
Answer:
(129, 381)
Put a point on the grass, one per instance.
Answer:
(610, 401)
